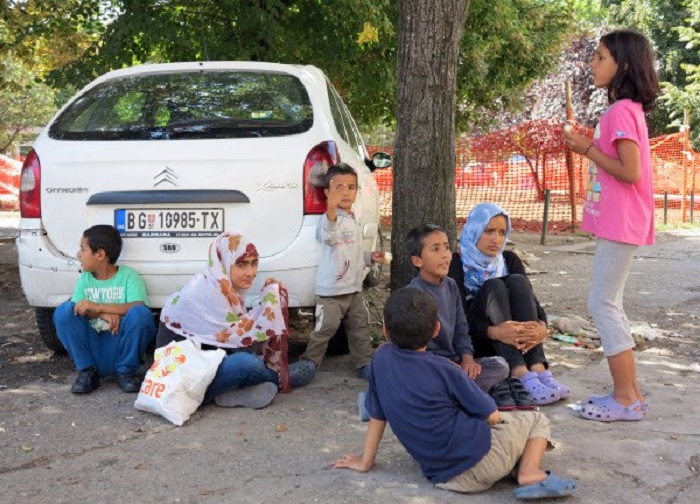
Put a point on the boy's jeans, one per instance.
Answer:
(110, 353)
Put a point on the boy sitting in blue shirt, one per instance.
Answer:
(429, 249)
(107, 325)
(446, 423)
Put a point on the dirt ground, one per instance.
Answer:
(56, 447)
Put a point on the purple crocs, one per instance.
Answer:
(541, 393)
(596, 399)
(608, 409)
(547, 378)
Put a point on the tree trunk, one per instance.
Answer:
(424, 171)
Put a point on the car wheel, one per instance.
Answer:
(375, 271)
(47, 329)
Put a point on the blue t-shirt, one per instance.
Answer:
(453, 340)
(435, 410)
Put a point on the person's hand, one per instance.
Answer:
(472, 368)
(533, 333)
(113, 320)
(272, 280)
(577, 143)
(86, 308)
(351, 461)
(334, 194)
(511, 333)
(377, 256)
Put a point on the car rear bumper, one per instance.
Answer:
(49, 276)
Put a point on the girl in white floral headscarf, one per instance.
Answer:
(210, 310)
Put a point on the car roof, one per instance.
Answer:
(155, 68)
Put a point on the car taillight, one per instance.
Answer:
(30, 187)
(318, 160)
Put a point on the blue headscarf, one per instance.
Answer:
(477, 266)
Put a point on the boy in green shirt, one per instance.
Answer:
(107, 325)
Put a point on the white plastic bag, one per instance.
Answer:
(175, 385)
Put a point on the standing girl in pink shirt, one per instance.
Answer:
(619, 207)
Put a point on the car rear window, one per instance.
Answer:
(188, 105)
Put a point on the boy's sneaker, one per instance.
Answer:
(362, 410)
(522, 397)
(87, 381)
(128, 382)
(502, 396)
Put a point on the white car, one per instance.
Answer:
(174, 154)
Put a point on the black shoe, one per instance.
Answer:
(128, 382)
(87, 381)
(502, 396)
(523, 399)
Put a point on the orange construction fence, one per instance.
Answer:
(517, 166)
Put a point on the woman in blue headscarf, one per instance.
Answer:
(504, 316)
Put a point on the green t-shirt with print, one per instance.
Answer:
(126, 286)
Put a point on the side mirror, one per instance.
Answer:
(380, 160)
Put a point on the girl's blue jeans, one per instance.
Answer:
(237, 370)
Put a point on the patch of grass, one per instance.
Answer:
(675, 226)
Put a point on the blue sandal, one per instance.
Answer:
(301, 372)
(608, 409)
(551, 486)
(596, 399)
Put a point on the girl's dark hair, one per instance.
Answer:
(636, 77)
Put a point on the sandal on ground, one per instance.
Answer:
(596, 399)
(301, 372)
(502, 396)
(541, 393)
(523, 399)
(548, 380)
(254, 397)
(551, 486)
(609, 410)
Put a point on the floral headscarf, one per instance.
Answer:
(209, 310)
(477, 266)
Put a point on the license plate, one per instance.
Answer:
(169, 222)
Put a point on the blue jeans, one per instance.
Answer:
(109, 353)
(237, 370)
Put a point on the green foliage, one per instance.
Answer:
(322, 33)
(507, 44)
(590, 12)
(24, 101)
(47, 34)
(672, 25)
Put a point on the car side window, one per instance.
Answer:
(357, 144)
(352, 135)
(336, 113)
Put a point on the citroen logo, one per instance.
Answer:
(166, 176)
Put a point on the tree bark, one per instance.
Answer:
(430, 32)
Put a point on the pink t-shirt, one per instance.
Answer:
(616, 210)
